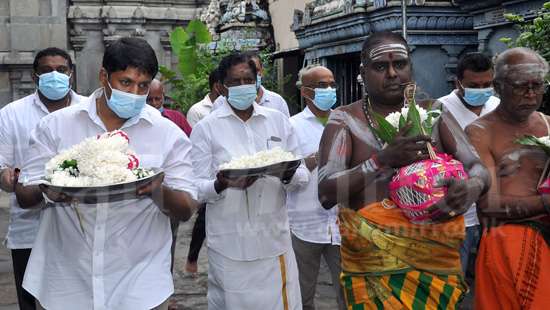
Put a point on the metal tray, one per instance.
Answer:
(274, 169)
(105, 193)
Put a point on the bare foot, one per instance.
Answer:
(191, 267)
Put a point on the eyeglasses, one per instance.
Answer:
(230, 83)
(520, 89)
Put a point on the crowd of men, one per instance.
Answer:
(266, 235)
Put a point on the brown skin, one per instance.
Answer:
(8, 179)
(48, 64)
(215, 91)
(156, 94)
(131, 81)
(9, 176)
(514, 169)
(318, 77)
(177, 204)
(473, 79)
(347, 142)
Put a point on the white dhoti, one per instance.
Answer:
(270, 283)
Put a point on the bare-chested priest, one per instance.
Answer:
(513, 264)
(388, 262)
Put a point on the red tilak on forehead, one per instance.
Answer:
(390, 55)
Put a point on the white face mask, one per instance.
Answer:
(125, 105)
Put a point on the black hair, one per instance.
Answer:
(130, 52)
(232, 60)
(379, 37)
(476, 62)
(51, 51)
(254, 55)
(213, 78)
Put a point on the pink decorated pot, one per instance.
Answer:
(413, 187)
(544, 187)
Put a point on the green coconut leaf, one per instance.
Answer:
(385, 130)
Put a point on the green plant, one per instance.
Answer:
(196, 59)
(195, 62)
(534, 33)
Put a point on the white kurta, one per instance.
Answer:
(247, 230)
(465, 117)
(17, 120)
(122, 259)
(309, 221)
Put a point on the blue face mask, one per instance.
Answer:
(241, 97)
(325, 98)
(258, 81)
(161, 109)
(54, 85)
(125, 105)
(477, 97)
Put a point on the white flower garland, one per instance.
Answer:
(96, 161)
(260, 159)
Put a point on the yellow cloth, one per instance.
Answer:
(380, 247)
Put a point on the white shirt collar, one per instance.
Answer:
(226, 110)
(90, 109)
(206, 101)
(308, 113)
(42, 106)
(265, 96)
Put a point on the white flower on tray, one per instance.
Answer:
(260, 159)
(96, 161)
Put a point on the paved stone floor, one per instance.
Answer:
(190, 291)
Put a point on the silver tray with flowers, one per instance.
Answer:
(99, 169)
(273, 162)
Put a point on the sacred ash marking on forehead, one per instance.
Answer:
(394, 49)
(531, 69)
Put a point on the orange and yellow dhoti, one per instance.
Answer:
(390, 263)
(513, 269)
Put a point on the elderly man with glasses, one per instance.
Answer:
(315, 232)
(513, 264)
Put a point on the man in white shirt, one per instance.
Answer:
(472, 98)
(315, 231)
(202, 108)
(265, 97)
(52, 70)
(114, 255)
(250, 257)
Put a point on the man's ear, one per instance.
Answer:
(103, 77)
(35, 77)
(222, 90)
